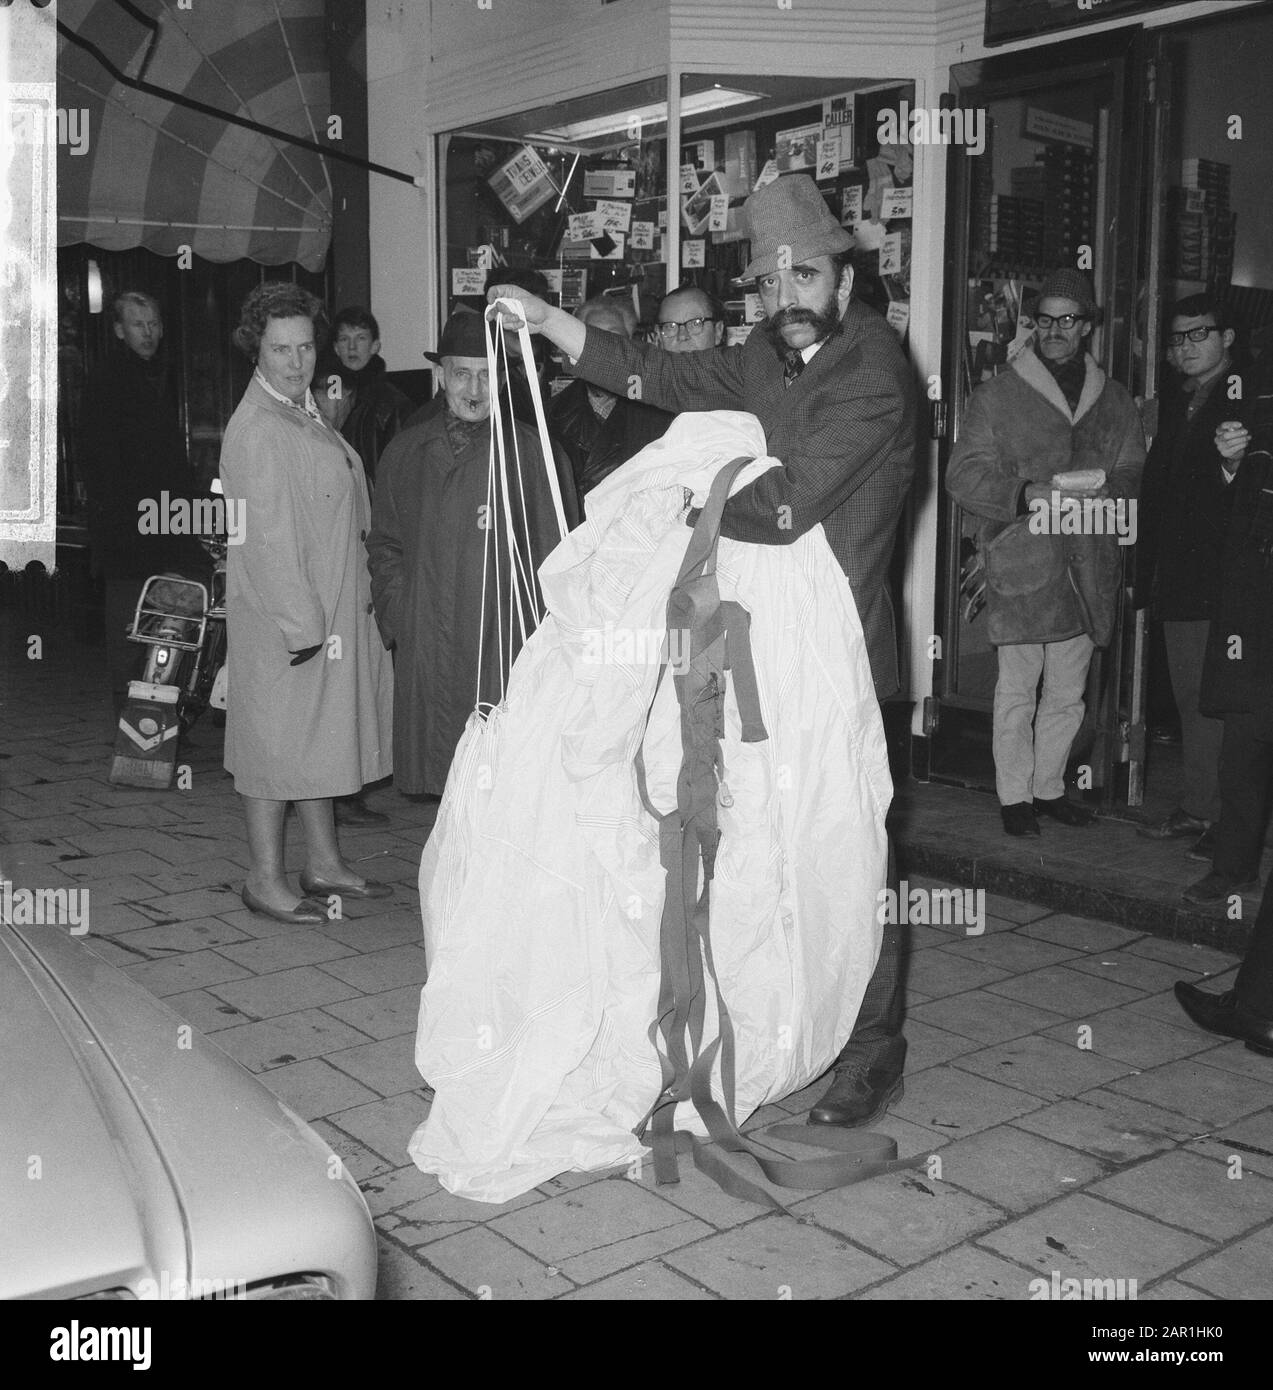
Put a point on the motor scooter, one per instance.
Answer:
(180, 623)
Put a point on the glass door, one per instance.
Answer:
(1059, 182)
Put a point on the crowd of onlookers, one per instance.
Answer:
(366, 621)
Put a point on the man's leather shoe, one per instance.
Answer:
(354, 812)
(1180, 825)
(853, 1100)
(304, 914)
(1221, 1013)
(1019, 819)
(1063, 809)
(316, 888)
(1203, 848)
(1217, 888)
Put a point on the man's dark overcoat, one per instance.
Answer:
(427, 551)
(844, 431)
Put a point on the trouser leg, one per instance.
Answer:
(121, 654)
(1200, 735)
(1255, 978)
(1015, 696)
(876, 1044)
(1060, 712)
(1246, 764)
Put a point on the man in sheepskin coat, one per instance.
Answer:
(1050, 542)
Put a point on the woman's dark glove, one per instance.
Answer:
(301, 657)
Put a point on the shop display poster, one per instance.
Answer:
(467, 280)
(837, 119)
(896, 203)
(797, 148)
(523, 184)
(609, 183)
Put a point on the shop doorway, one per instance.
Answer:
(1117, 144)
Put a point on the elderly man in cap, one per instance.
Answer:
(438, 558)
(1037, 443)
(827, 380)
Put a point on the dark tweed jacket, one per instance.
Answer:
(844, 431)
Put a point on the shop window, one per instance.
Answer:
(849, 136)
(578, 192)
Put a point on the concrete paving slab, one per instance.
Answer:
(903, 1217)
(1208, 1196)
(1137, 1039)
(1081, 932)
(1043, 1067)
(385, 1126)
(649, 1282)
(315, 1089)
(387, 1067)
(1109, 1127)
(283, 992)
(956, 1103)
(964, 1273)
(489, 1267)
(400, 1277)
(778, 1257)
(1063, 990)
(195, 970)
(1207, 1094)
(984, 1017)
(381, 970)
(1016, 1169)
(1084, 1238)
(389, 1014)
(288, 1038)
(1239, 1271)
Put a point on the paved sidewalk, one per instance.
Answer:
(1116, 1160)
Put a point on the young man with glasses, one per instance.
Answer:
(1185, 505)
(1051, 596)
(690, 320)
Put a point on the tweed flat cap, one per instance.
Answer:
(790, 212)
(1069, 284)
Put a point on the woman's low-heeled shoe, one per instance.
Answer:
(315, 887)
(305, 913)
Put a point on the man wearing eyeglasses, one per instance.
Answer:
(1185, 504)
(1025, 442)
(690, 320)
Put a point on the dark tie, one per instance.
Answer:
(792, 365)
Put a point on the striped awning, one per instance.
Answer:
(160, 175)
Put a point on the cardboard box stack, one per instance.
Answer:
(1200, 226)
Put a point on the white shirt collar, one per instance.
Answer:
(309, 407)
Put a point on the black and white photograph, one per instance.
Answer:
(565, 737)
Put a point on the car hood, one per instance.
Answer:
(146, 1153)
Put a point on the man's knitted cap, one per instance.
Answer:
(1069, 284)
